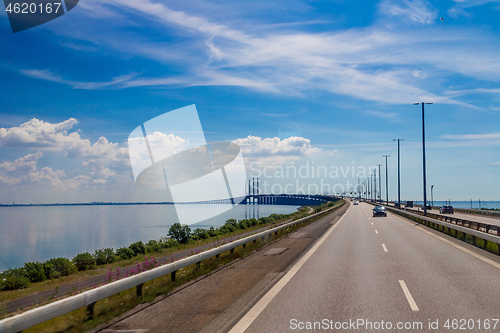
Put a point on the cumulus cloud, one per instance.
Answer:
(274, 151)
(38, 133)
(24, 170)
(50, 140)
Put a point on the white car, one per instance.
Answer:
(356, 202)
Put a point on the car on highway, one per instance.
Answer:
(356, 202)
(379, 211)
(409, 204)
(446, 209)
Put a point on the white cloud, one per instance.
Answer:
(24, 170)
(385, 62)
(419, 11)
(54, 139)
(37, 133)
(274, 151)
(459, 9)
(53, 77)
(473, 3)
(485, 136)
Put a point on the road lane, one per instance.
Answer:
(350, 277)
(469, 217)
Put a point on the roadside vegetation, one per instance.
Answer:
(153, 291)
(36, 277)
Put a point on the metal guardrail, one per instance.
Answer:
(483, 227)
(494, 213)
(467, 227)
(476, 229)
(88, 298)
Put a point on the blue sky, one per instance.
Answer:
(294, 83)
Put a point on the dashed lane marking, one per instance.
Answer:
(409, 297)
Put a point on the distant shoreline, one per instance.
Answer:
(92, 204)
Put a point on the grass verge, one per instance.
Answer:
(107, 309)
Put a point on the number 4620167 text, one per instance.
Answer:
(33, 8)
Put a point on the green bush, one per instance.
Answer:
(153, 246)
(200, 233)
(212, 232)
(34, 271)
(232, 222)
(104, 256)
(56, 267)
(167, 243)
(138, 248)
(227, 228)
(125, 253)
(14, 282)
(14, 278)
(179, 232)
(84, 261)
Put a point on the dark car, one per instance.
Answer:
(409, 204)
(379, 211)
(446, 209)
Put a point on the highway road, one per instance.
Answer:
(381, 274)
(470, 217)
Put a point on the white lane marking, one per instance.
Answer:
(472, 253)
(372, 223)
(376, 232)
(385, 249)
(409, 298)
(256, 310)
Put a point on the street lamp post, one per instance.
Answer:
(399, 175)
(386, 181)
(370, 189)
(379, 185)
(432, 195)
(423, 156)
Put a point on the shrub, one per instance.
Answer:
(242, 225)
(232, 222)
(125, 253)
(34, 271)
(138, 248)
(264, 220)
(200, 233)
(227, 228)
(104, 256)
(57, 267)
(14, 278)
(14, 282)
(153, 246)
(212, 232)
(179, 232)
(168, 242)
(84, 261)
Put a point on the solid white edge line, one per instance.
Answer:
(256, 310)
(409, 298)
(385, 249)
(472, 253)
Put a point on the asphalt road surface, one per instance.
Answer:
(382, 274)
(469, 217)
